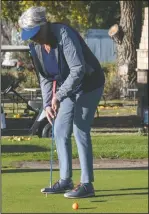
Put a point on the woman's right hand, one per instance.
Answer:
(50, 114)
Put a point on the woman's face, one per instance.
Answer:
(42, 36)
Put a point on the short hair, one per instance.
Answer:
(34, 16)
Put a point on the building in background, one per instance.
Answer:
(142, 71)
(101, 45)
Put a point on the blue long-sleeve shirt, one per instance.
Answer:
(50, 62)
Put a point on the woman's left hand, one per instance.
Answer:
(55, 105)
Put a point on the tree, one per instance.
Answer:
(80, 14)
(102, 14)
(70, 12)
(127, 37)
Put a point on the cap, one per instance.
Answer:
(28, 33)
(31, 20)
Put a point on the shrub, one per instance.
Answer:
(31, 80)
(28, 78)
(112, 81)
(6, 79)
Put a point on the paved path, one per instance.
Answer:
(98, 164)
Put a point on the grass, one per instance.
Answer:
(117, 191)
(118, 101)
(119, 111)
(104, 146)
(107, 111)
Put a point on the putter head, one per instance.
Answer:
(47, 190)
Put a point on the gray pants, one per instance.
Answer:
(77, 117)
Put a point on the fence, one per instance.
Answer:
(14, 105)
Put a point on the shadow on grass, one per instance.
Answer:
(26, 170)
(87, 208)
(119, 194)
(17, 126)
(21, 170)
(127, 121)
(125, 168)
(22, 148)
(108, 190)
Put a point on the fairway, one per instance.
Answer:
(117, 191)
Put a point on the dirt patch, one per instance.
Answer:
(98, 164)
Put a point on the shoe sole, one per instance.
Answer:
(86, 196)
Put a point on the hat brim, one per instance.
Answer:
(29, 33)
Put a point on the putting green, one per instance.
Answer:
(117, 191)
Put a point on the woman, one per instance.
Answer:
(61, 55)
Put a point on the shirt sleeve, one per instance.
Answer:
(74, 57)
(46, 91)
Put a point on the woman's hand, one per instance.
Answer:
(51, 111)
(55, 104)
(50, 114)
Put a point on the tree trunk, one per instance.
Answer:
(130, 34)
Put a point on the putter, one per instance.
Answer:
(51, 159)
(52, 145)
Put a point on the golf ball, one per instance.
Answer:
(75, 206)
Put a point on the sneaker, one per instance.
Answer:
(60, 186)
(81, 191)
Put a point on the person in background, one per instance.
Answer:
(60, 54)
